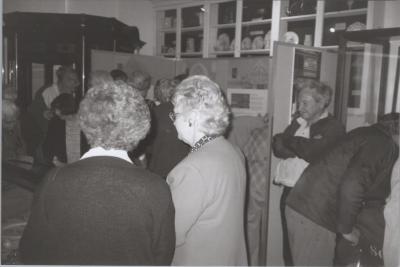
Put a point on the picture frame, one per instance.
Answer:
(307, 64)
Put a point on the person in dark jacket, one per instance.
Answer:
(119, 75)
(166, 150)
(35, 120)
(102, 209)
(141, 81)
(63, 108)
(312, 131)
(344, 192)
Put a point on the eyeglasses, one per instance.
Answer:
(172, 116)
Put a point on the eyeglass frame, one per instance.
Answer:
(172, 116)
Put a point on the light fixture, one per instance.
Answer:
(331, 29)
(202, 9)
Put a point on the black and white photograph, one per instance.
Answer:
(200, 133)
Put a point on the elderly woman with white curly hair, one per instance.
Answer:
(102, 209)
(208, 186)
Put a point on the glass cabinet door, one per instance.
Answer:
(349, 15)
(222, 29)
(298, 20)
(192, 27)
(256, 27)
(167, 33)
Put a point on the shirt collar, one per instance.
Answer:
(204, 140)
(99, 151)
(303, 122)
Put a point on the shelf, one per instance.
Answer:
(256, 22)
(190, 29)
(230, 52)
(170, 30)
(255, 51)
(349, 45)
(223, 26)
(346, 13)
(191, 53)
(299, 17)
(168, 54)
(203, 24)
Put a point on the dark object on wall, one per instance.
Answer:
(58, 39)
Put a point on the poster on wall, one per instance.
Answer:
(239, 73)
(251, 73)
(307, 64)
(247, 102)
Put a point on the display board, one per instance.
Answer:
(157, 67)
(246, 79)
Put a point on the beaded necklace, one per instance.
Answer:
(204, 140)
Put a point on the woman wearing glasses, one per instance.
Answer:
(208, 186)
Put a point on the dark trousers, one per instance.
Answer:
(287, 255)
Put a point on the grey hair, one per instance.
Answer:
(320, 91)
(98, 77)
(140, 80)
(199, 93)
(164, 89)
(113, 115)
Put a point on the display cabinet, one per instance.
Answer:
(237, 28)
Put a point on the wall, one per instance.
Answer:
(391, 11)
(137, 13)
(52, 6)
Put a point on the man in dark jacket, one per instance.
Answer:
(344, 192)
(310, 133)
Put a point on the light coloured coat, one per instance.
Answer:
(208, 190)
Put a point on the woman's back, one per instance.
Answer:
(99, 210)
(213, 181)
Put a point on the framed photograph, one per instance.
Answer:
(250, 102)
(307, 64)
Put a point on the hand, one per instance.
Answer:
(353, 237)
(48, 114)
(57, 162)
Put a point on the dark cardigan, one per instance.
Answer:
(323, 135)
(100, 211)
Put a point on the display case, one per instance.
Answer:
(35, 41)
(237, 28)
(370, 76)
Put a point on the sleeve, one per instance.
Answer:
(360, 174)
(188, 193)
(279, 147)
(166, 239)
(310, 148)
